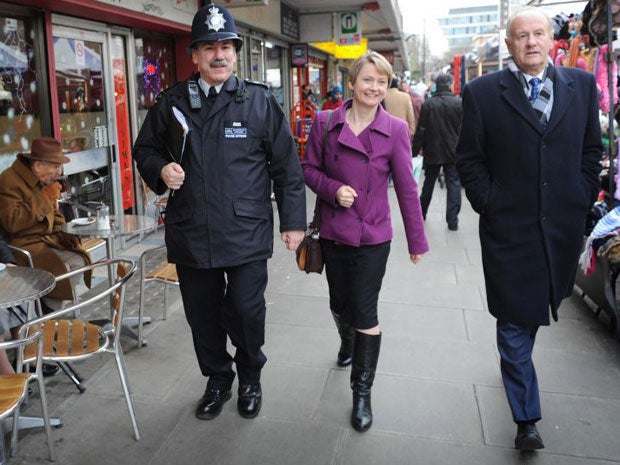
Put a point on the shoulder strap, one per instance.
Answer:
(325, 132)
(316, 221)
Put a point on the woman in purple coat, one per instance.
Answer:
(363, 145)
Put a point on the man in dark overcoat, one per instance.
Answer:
(220, 143)
(529, 158)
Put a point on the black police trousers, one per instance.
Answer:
(221, 303)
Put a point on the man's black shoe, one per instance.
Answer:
(48, 369)
(528, 437)
(250, 400)
(210, 406)
(453, 227)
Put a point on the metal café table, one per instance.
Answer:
(20, 285)
(120, 226)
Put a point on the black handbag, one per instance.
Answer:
(308, 254)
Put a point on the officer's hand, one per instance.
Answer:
(292, 239)
(173, 176)
(345, 196)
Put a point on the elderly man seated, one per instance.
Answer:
(30, 218)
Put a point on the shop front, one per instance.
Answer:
(89, 84)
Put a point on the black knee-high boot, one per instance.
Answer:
(365, 355)
(346, 341)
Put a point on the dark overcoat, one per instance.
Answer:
(233, 156)
(531, 187)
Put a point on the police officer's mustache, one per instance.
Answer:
(219, 63)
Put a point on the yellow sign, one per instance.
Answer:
(344, 52)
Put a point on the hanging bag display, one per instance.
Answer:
(308, 254)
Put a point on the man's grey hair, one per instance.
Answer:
(525, 10)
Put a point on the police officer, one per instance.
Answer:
(218, 143)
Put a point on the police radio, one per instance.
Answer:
(194, 95)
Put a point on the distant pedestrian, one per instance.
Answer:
(418, 97)
(308, 97)
(437, 135)
(335, 99)
(529, 158)
(399, 104)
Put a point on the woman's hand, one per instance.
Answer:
(345, 196)
(416, 258)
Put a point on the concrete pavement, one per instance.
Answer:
(437, 399)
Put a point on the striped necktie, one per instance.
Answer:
(535, 89)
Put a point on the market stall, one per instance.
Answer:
(590, 46)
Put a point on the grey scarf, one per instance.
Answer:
(544, 103)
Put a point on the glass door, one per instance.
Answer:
(85, 90)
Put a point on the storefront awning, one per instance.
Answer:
(344, 52)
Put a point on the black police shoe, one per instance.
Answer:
(528, 437)
(210, 406)
(250, 399)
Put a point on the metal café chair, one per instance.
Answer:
(165, 273)
(67, 338)
(14, 390)
(67, 368)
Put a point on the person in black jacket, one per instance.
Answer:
(219, 143)
(437, 135)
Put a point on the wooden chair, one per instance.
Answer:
(14, 390)
(67, 338)
(165, 273)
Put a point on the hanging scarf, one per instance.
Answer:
(607, 225)
(544, 103)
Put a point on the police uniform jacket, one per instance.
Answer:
(222, 215)
(531, 186)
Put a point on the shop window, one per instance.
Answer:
(19, 99)
(81, 94)
(274, 72)
(256, 60)
(154, 70)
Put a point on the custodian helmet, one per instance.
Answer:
(214, 23)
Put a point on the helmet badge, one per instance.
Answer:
(215, 20)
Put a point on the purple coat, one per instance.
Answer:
(346, 162)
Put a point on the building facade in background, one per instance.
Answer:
(462, 25)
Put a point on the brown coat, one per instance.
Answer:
(398, 104)
(29, 220)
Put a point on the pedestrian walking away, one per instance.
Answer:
(219, 143)
(437, 135)
(349, 174)
(529, 157)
